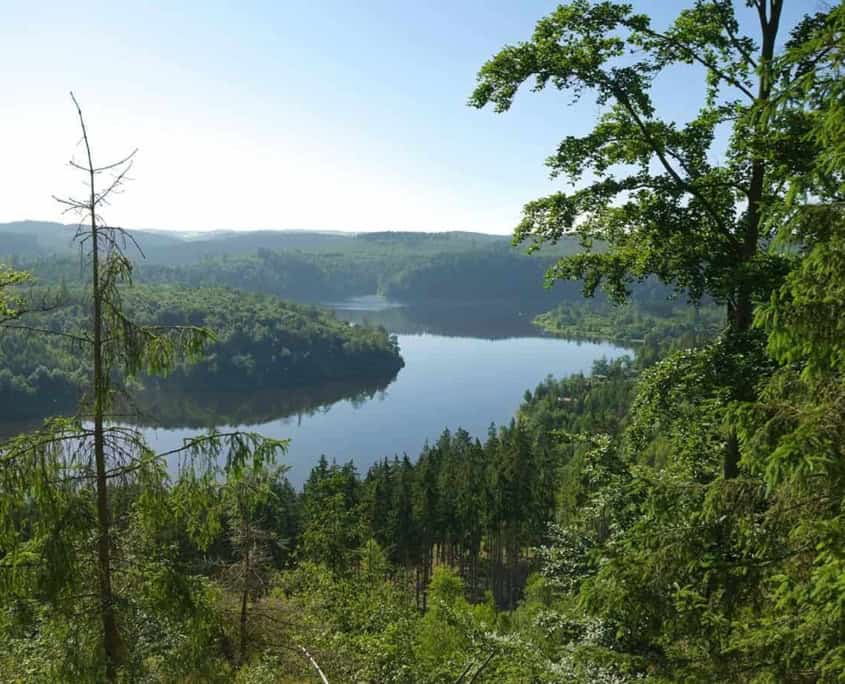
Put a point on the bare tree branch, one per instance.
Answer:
(46, 331)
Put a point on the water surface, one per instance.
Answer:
(466, 366)
(449, 380)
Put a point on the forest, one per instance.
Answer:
(678, 516)
(317, 268)
(259, 342)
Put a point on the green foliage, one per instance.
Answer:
(359, 627)
(84, 497)
(813, 292)
(599, 536)
(319, 268)
(332, 523)
(653, 332)
(10, 299)
(651, 192)
(259, 341)
(665, 564)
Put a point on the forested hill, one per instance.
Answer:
(260, 342)
(175, 247)
(313, 267)
(39, 239)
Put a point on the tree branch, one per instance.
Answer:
(108, 167)
(696, 56)
(46, 331)
(734, 39)
(625, 101)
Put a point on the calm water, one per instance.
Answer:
(451, 378)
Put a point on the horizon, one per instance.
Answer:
(323, 231)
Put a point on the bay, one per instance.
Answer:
(452, 378)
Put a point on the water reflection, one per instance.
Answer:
(483, 320)
(446, 382)
(203, 410)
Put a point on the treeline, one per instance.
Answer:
(655, 328)
(290, 275)
(464, 504)
(471, 505)
(483, 275)
(632, 322)
(259, 342)
(502, 276)
(399, 266)
(38, 239)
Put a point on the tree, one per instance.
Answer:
(699, 565)
(331, 509)
(795, 431)
(77, 480)
(651, 192)
(246, 497)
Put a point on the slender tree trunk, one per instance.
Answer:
(111, 637)
(494, 567)
(513, 557)
(498, 566)
(491, 563)
(244, 606)
(423, 583)
(501, 565)
(512, 563)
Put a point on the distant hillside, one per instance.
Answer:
(313, 267)
(32, 239)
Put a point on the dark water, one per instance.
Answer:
(464, 367)
(452, 319)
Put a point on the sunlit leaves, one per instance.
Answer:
(11, 302)
(650, 190)
(805, 317)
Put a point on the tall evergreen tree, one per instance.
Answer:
(65, 476)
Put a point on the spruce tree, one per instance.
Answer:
(70, 479)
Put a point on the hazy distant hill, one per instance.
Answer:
(43, 238)
(29, 239)
(313, 266)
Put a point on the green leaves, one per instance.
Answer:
(570, 48)
(10, 300)
(805, 317)
(649, 188)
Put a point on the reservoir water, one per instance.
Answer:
(463, 368)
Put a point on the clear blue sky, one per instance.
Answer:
(326, 114)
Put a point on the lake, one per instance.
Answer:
(464, 367)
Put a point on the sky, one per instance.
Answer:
(318, 114)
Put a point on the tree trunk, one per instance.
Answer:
(244, 605)
(741, 310)
(111, 637)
